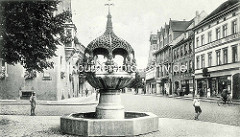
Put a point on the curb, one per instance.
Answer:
(188, 98)
(53, 104)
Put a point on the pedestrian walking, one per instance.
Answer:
(224, 95)
(33, 104)
(165, 91)
(86, 91)
(196, 104)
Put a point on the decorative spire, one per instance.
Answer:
(109, 19)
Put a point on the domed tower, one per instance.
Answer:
(112, 76)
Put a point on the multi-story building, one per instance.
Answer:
(183, 55)
(217, 51)
(162, 60)
(151, 70)
(173, 48)
(61, 82)
(167, 36)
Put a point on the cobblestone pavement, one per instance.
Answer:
(166, 107)
(49, 126)
(162, 106)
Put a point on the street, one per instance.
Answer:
(164, 107)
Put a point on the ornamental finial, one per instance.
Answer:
(109, 20)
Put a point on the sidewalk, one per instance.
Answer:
(83, 100)
(189, 97)
(29, 126)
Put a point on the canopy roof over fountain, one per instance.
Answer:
(109, 43)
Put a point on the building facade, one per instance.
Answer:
(174, 48)
(164, 55)
(163, 60)
(151, 70)
(217, 51)
(183, 55)
(61, 82)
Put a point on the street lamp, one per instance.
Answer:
(193, 76)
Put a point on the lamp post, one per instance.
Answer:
(193, 76)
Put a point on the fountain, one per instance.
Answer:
(109, 119)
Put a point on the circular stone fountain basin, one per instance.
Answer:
(87, 124)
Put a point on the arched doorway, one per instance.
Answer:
(236, 86)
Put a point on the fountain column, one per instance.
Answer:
(110, 106)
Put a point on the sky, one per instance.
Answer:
(134, 20)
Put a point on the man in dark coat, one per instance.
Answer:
(33, 104)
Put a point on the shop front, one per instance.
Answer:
(151, 86)
(185, 87)
(202, 87)
(215, 84)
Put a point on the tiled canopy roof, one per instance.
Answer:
(109, 40)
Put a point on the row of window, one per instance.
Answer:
(219, 60)
(188, 65)
(218, 33)
(183, 50)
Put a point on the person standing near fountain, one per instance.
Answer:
(86, 92)
(33, 104)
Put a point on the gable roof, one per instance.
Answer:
(223, 7)
(179, 25)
